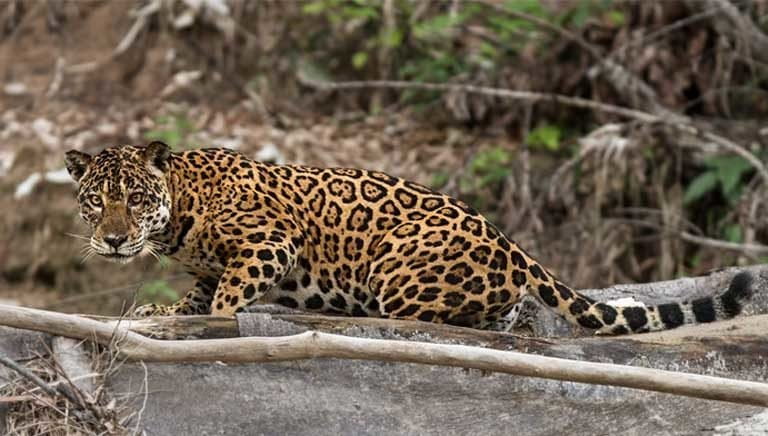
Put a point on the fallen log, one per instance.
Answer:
(313, 344)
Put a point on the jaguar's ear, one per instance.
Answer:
(157, 154)
(77, 163)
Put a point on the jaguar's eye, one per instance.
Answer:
(135, 199)
(95, 200)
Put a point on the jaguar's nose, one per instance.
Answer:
(115, 240)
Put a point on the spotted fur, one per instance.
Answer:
(338, 241)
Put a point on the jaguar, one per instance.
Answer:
(340, 241)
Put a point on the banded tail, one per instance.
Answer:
(609, 319)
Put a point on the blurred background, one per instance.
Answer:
(674, 187)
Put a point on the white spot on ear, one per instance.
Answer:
(155, 171)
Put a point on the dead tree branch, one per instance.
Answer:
(746, 248)
(487, 91)
(623, 81)
(673, 122)
(323, 345)
(730, 21)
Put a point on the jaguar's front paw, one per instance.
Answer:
(149, 310)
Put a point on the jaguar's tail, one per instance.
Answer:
(615, 319)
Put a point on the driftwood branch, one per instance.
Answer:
(323, 345)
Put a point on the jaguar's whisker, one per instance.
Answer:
(152, 252)
(76, 236)
(158, 244)
(87, 256)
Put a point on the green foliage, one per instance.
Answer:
(363, 14)
(359, 59)
(700, 186)
(725, 172)
(732, 233)
(726, 175)
(428, 42)
(487, 171)
(439, 179)
(547, 136)
(157, 291)
(172, 129)
(164, 262)
(490, 166)
(616, 18)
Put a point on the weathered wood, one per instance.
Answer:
(74, 362)
(317, 344)
(740, 340)
(177, 327)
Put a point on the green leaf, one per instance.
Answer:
(489, 50)
(466, 184)
(439, 179)
(490, 159)
(164, 261)
(727, 161)
(729, 179)
(733, 233)
(172, 129)
(532, 7)
(359, 60)
(158, 289)
(314, 8)
(695, 260)
(616, 18)
(494, 175)
(729, 170)
(490, 166)
(581, 14)
(507, 26)
(438, 25)
(700, 186)
(545, 135)
(392, 38)
(360, 12)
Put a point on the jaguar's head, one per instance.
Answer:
(123, 195)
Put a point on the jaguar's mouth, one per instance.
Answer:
(121, 254)
(118, 257)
